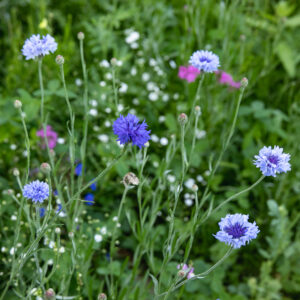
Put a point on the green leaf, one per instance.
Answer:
(293, 21)
(286, 56)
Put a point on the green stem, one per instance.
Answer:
(116, 99)
(40, 62)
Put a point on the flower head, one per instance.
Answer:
(78, 169)
(236, 231)
(37, 191)
(227, 79)
(129, 129)
(272, 161)
(89, 199)
(37, 47)
(50, 135)
(188, 271)
(188, 73)
(205, 61)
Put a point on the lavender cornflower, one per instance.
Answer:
(236, 231)
(37, 191)
(128, 129)
(38, 47)
(205, 61)
(188, 271)
(272, 161)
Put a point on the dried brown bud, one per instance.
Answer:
(130, 179)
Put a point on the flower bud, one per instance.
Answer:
(102, 296)
(244, 82)
(71, 234)
(181, 273)
(59, 59)
(182, 119)
(80, 35)
(130, 179)
(50, 294)
(57, 230)
(45, 168)
(113, 62)
(17, 104)
(147, 144)
(198, 110)
(16, 172)
(195, 188)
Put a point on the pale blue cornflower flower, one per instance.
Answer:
(236, 231)
(205, 61)
(272, 161)
(37, 191)
(38, 47)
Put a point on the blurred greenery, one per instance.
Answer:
(259, 40)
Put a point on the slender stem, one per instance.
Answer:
(72, 136)
(194, 134)
(238, 194)
(40, 62)
(116, 99)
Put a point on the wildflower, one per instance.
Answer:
(17, 104)
(102, 296)
(93, 186)
(50, 135)
(80, 35)
(227, 79)
(186, 270)
(89, 199)
(42, 212)
(37, 191)
(45, 167)
(130, 179)
(50, 294)
(236, 231)
(38, 47)
(182, 118)
(78, 169)
(205, 61)
(128, 129)
(59, 60)
(132, 37)
(188, 73)
(98, 238)
(272, 161)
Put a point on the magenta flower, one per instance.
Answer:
(51, 137)
(227, 79)
(188, 73)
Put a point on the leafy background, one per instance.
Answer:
(254, 39)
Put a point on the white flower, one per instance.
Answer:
(94, 102)
(189, 183)
(133, 71)
(188, 202)
(13, 147)
(13, 218)
(102, 83)
(98, 238)
(120, 107)
(103, 138)
(171, 178)
(165, 98)
(152, 62)
(172, 64)
(161, 119)
(154, 138)
(51, 244)
(200, 133)
(12, 251)
(107, 110)
(61, 140)
(107, 123)
(78, 82)
(136, 101)
(123, 88)
(61, 250)
(93, 112)
(103, 230)
(104, 63)
(164, 141)
(115, 219)
(145, 76)
(108, 76)
(132, 37)
(153, 96)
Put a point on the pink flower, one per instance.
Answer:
(51, 137)
(188, 73)
(189, 271)
(227, 79)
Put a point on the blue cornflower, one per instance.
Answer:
(128, 129)
(272, 161)
(89, 199)
(78, 169)
(37, 191)
(42, 212)
(38, 47)
(93, 186)
(205, 61)
(236, 231)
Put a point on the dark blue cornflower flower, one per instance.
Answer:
(129, 129)
(42, 212)
(89, 199)
(93, 186)
(37, 47)
(272, 161)
(37, 191)
(78, 169)
(205, 61)
(236, 231)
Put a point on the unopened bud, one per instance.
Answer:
(102, 296)
(10, 192)
(198, 110)
(182, 119)
(147, 144)
(57, 230)
(59, 59)
(16, 172)
(18, 104)
(50, 294)
(130, 179)
(181, 273)
(71, 234)
(195, 188)
(52, 152)
(113, 62)
(80, 35)
(244, 82)
(45, 168)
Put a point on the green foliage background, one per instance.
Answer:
(254, 39)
